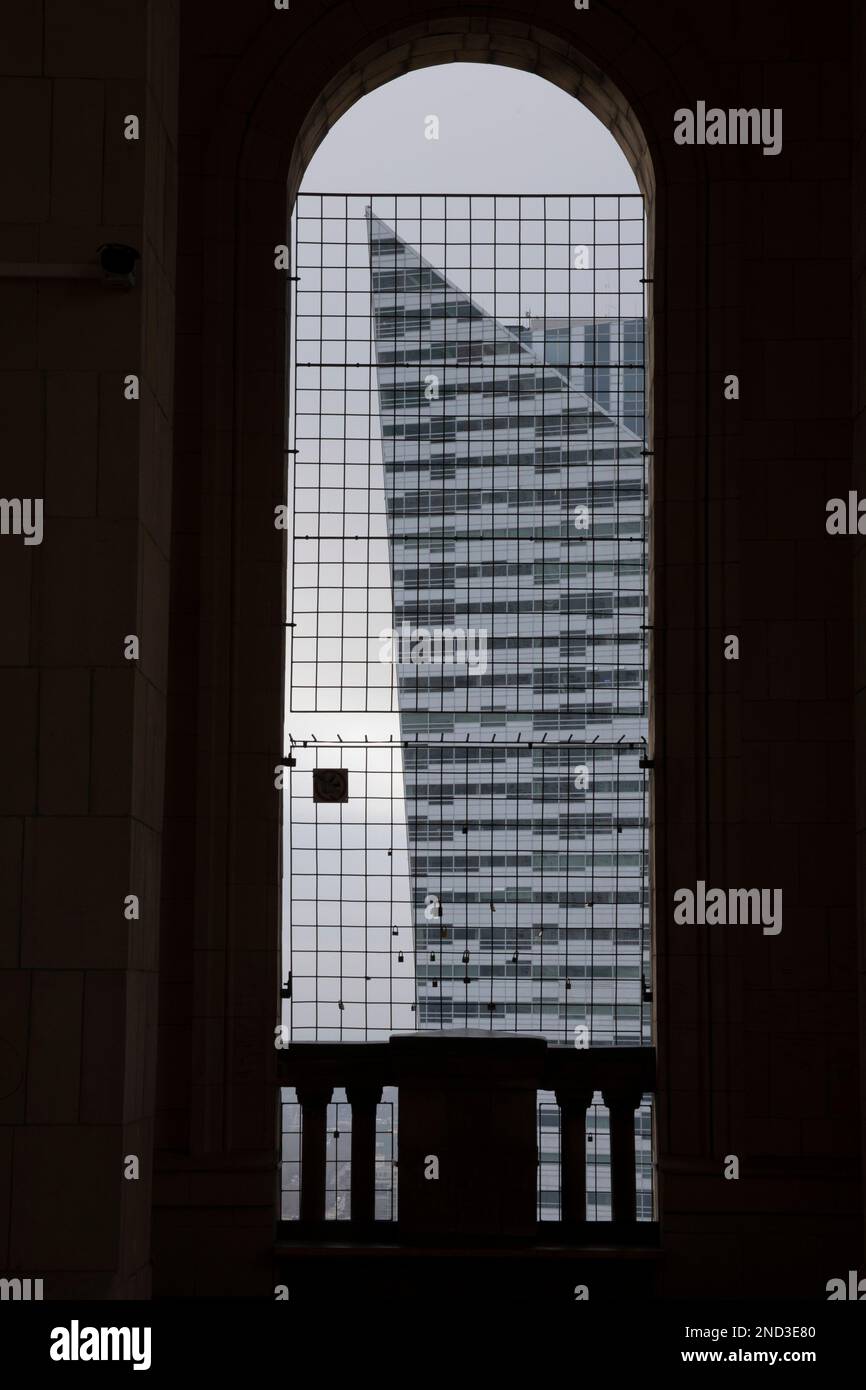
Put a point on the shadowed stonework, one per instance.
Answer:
(152, 776)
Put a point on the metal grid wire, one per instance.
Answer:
(349, 897)
(468, 885)
(462, 384)
(468, 474)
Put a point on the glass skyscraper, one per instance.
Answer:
(514, 470)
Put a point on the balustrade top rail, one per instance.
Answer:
(509, 1059)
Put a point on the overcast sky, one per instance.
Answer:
(500, 131)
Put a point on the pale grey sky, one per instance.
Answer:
(500, 131)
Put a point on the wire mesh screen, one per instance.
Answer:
(350, 894)
(468, 466)
(469, 493)
(500, 884)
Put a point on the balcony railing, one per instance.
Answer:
(468, 1151)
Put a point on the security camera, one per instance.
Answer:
(117, 263)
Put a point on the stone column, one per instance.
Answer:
(573, 1103)
(363, 1099)
(622, 1101)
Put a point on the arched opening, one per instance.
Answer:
(476, 39)
(367, 271)
(723, 296)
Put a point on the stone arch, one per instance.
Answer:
(480, 39)
(277, 102)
